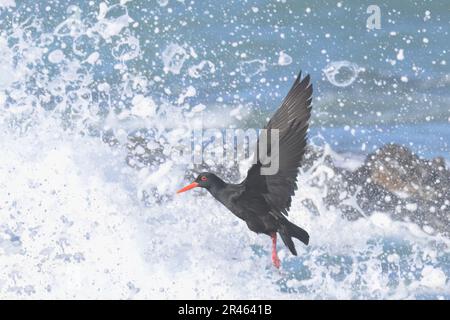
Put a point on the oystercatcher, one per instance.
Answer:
(263, 201)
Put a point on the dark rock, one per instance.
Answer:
(395, 180)
(398, 170)
(391, 180)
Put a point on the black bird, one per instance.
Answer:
(263, 201)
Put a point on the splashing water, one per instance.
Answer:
(173, 58)
(284, 59)
(81, 218)
(342, 73)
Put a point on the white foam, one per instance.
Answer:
(173, 58)
(93, 58)
(126, 49)
(202, 69)
(7, 3)
(188, 93)
(163, 3)
(143, 107)
(82, 233)
(7, 72)
(433, 277)
(62, 218)
(56, 56)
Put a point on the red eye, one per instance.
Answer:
(204, 178)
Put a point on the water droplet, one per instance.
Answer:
(342, 73)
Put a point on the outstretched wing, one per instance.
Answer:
(291, 119)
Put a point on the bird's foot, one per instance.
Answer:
(275, 260)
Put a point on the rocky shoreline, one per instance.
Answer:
(391, 180)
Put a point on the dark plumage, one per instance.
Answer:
(263, 201)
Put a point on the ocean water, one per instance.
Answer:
(80, 80)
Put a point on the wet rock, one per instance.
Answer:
(399, 171)
(392, 180)
(395, 180)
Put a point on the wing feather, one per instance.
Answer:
(292, 120)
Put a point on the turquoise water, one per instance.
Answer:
(74, 222)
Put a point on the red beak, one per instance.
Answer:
(188, 187)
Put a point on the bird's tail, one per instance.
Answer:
(288, 230)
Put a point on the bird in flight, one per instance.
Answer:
(263, 201)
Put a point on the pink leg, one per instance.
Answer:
(275, 260)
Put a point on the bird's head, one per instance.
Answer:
(204, 180)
